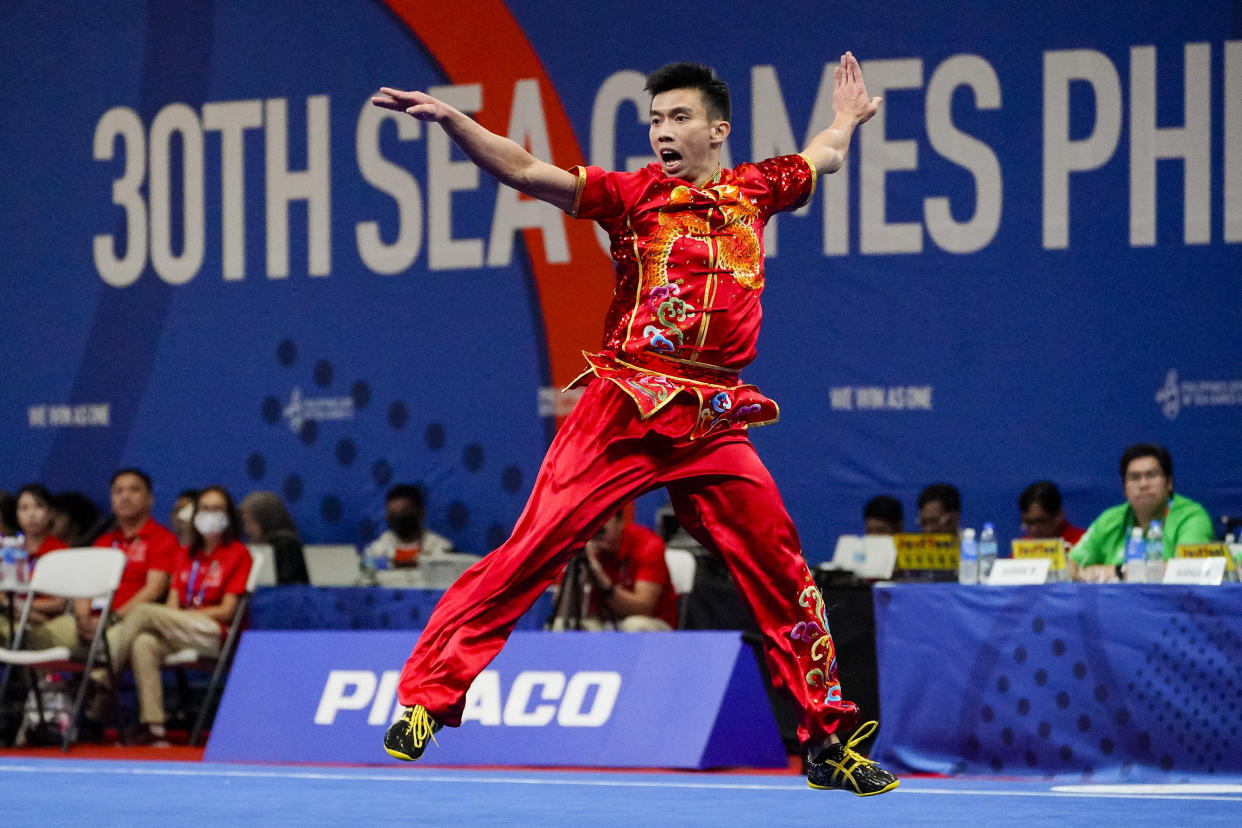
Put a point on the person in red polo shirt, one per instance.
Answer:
(624, 580)
(149, 548)
(208, 579)
(1043, 516)
(34, 504)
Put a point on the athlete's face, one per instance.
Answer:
(685, 139)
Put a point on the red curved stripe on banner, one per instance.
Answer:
(481, 42)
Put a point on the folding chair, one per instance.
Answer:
(681, 566)
(191, 659)
(84, 572)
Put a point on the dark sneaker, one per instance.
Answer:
(407, 738)
(145, 735)
(842, 768)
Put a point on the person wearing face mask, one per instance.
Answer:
(208, 578)
(407, 540)
(34, 520)
(181, 518)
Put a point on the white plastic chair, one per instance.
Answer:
(191, 659)
(84, 572)
(681, 567)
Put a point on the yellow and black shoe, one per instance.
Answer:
(840, 767)
(407, 738)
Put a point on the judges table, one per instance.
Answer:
(1117, 682)
(360, 608)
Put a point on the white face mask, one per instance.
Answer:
(211, 523)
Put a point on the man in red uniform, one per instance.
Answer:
(149, 549)
(622, 581)
(664, 404)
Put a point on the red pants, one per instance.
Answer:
(602, 457)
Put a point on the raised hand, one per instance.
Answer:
(418, 104)
(849, 93)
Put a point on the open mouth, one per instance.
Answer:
(669, 156)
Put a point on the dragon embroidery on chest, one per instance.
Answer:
(728, 223)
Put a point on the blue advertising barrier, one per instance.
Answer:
(1106, 682)
(685, 700)
(303, 607)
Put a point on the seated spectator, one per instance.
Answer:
(618, 580)
(149, 548)
(883, 516)
(33, 519)
(266, 520)
(940, 509)
(1147, 480)
(181, 518)
(208, 580)
(406, 539)
(8, 513)
(73, 518)
(1043, 516)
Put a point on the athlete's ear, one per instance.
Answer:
(720, 131)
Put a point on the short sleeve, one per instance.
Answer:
(789, 181)
(598, 196)
(649, 562)
(1197, 528)
(162, 552)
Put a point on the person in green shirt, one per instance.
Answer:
(1147, 478)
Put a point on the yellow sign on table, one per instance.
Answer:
(926, 551)
(1051, 548)
(1205, 550)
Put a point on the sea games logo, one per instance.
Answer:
(1177, 394)
(317, 409)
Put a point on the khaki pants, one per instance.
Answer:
(60, 631)
(148, 635)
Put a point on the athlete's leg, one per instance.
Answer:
(740, 516)
(597, 462)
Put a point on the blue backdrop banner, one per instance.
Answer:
(221, 264)
(1119, 682)
(689, 700)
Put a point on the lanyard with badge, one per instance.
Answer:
(191, 599)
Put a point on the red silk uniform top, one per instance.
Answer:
(685, 311)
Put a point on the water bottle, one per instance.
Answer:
(1155, 553)
(8, 564)
(1234, 550)
(1136, 557)
(987, 551)
(21, 560)
(968, 559)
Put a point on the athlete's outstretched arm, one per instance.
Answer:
(506, 160)
(851, 106)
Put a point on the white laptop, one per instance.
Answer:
(870, 557)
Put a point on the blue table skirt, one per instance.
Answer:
(1117, 682)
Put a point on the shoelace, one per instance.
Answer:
(422, 726)
(850, 759)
